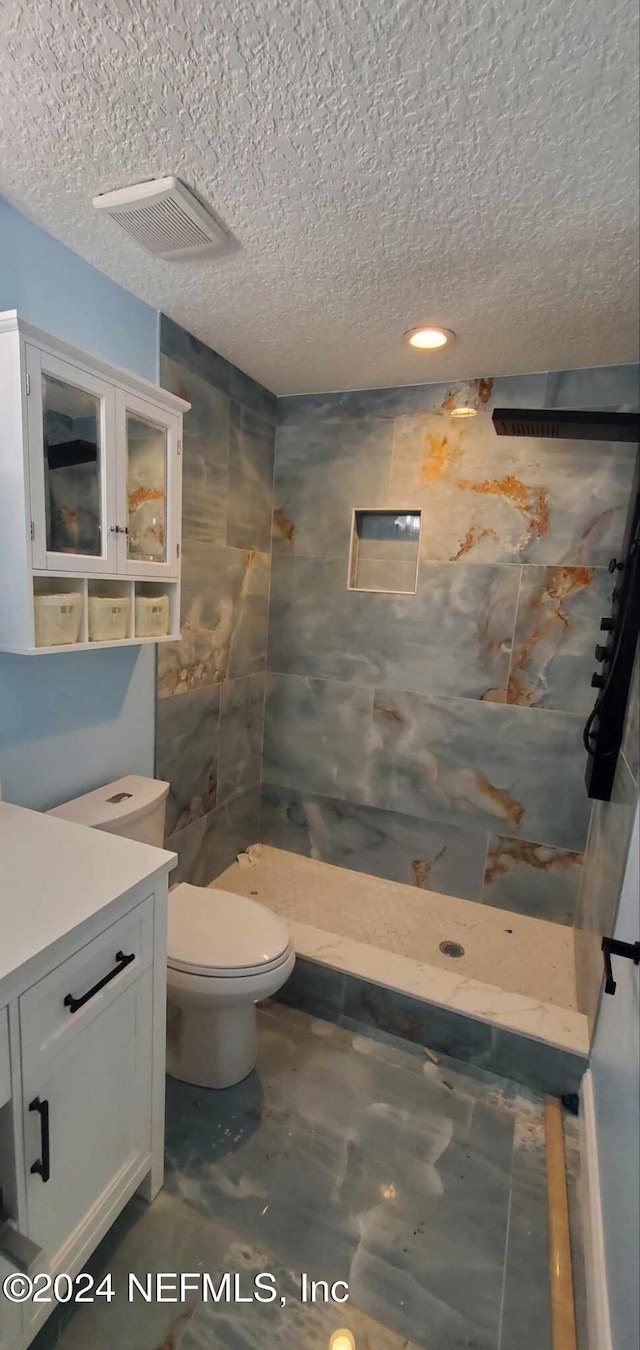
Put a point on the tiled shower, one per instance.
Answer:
(432, 738)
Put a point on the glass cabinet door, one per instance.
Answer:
(149, 489)
(71, 426)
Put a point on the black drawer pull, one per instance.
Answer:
(123, 961)
(43, 1166)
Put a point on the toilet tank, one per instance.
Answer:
(132, 806)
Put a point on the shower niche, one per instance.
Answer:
(385, 548)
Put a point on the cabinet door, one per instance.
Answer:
(149, 488)
(87, 1127)
(72, 470)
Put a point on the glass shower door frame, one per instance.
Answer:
(127, 402)
(38, 363)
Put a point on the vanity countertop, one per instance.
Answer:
(56, 876)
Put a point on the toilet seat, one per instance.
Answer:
(218, 935)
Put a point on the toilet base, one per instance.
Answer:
(212, 1048)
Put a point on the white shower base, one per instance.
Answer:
(517, 972)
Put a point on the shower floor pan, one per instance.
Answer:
(517, 974)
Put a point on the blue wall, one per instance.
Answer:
(70, 722)
(59, 291)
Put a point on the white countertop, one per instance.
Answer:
(56, 875)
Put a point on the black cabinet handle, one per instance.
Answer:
(123, 961)
(613, 947)
(43, 1166)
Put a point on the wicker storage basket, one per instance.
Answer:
(58, 618)
(108, 617)
(152, 615)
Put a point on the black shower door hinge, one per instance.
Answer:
(613, 947)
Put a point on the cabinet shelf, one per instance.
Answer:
(90, 646)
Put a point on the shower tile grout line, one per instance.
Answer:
(503, 1291)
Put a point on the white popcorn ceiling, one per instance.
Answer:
(379, 162)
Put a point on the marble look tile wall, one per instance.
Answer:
(606, 859)
(211, 683)
(439, 733)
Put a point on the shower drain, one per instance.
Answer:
(449, 948)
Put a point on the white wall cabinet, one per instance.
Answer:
(83, 1128)
(90, 484)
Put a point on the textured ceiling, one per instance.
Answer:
(379, 162)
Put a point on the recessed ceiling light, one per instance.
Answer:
(429, 338)
(464, 411)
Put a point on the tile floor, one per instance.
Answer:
(350, 1158)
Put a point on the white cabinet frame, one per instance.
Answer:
(39, 363)
(27, 566)
(131, 403)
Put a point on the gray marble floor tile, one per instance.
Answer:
(165, 1236)
(526, 1313)
(205, 455)
(374, 1184)
(427, 854)
(251, 455)
(187, 739)
(225, 596)
(346, 1159)
(532, 879)
(557, 628)
(316, 734)
(241, 727)
(453, 636)
(290, 1327)
(323, 471)
(483, 764)
(210, 844)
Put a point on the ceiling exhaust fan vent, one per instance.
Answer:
(164, 217)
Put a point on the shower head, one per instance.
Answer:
(562, 424)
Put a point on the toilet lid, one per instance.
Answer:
(215, 931)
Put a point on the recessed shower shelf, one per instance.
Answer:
(384, 552)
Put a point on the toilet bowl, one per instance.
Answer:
(225, 953)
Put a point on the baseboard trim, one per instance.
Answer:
(599, 1325)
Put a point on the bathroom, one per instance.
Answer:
(353, 749)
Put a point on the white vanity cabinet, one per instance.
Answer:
(82, 1056)
(10, 1316)
(90, 479)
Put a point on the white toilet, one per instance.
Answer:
(224, 951)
